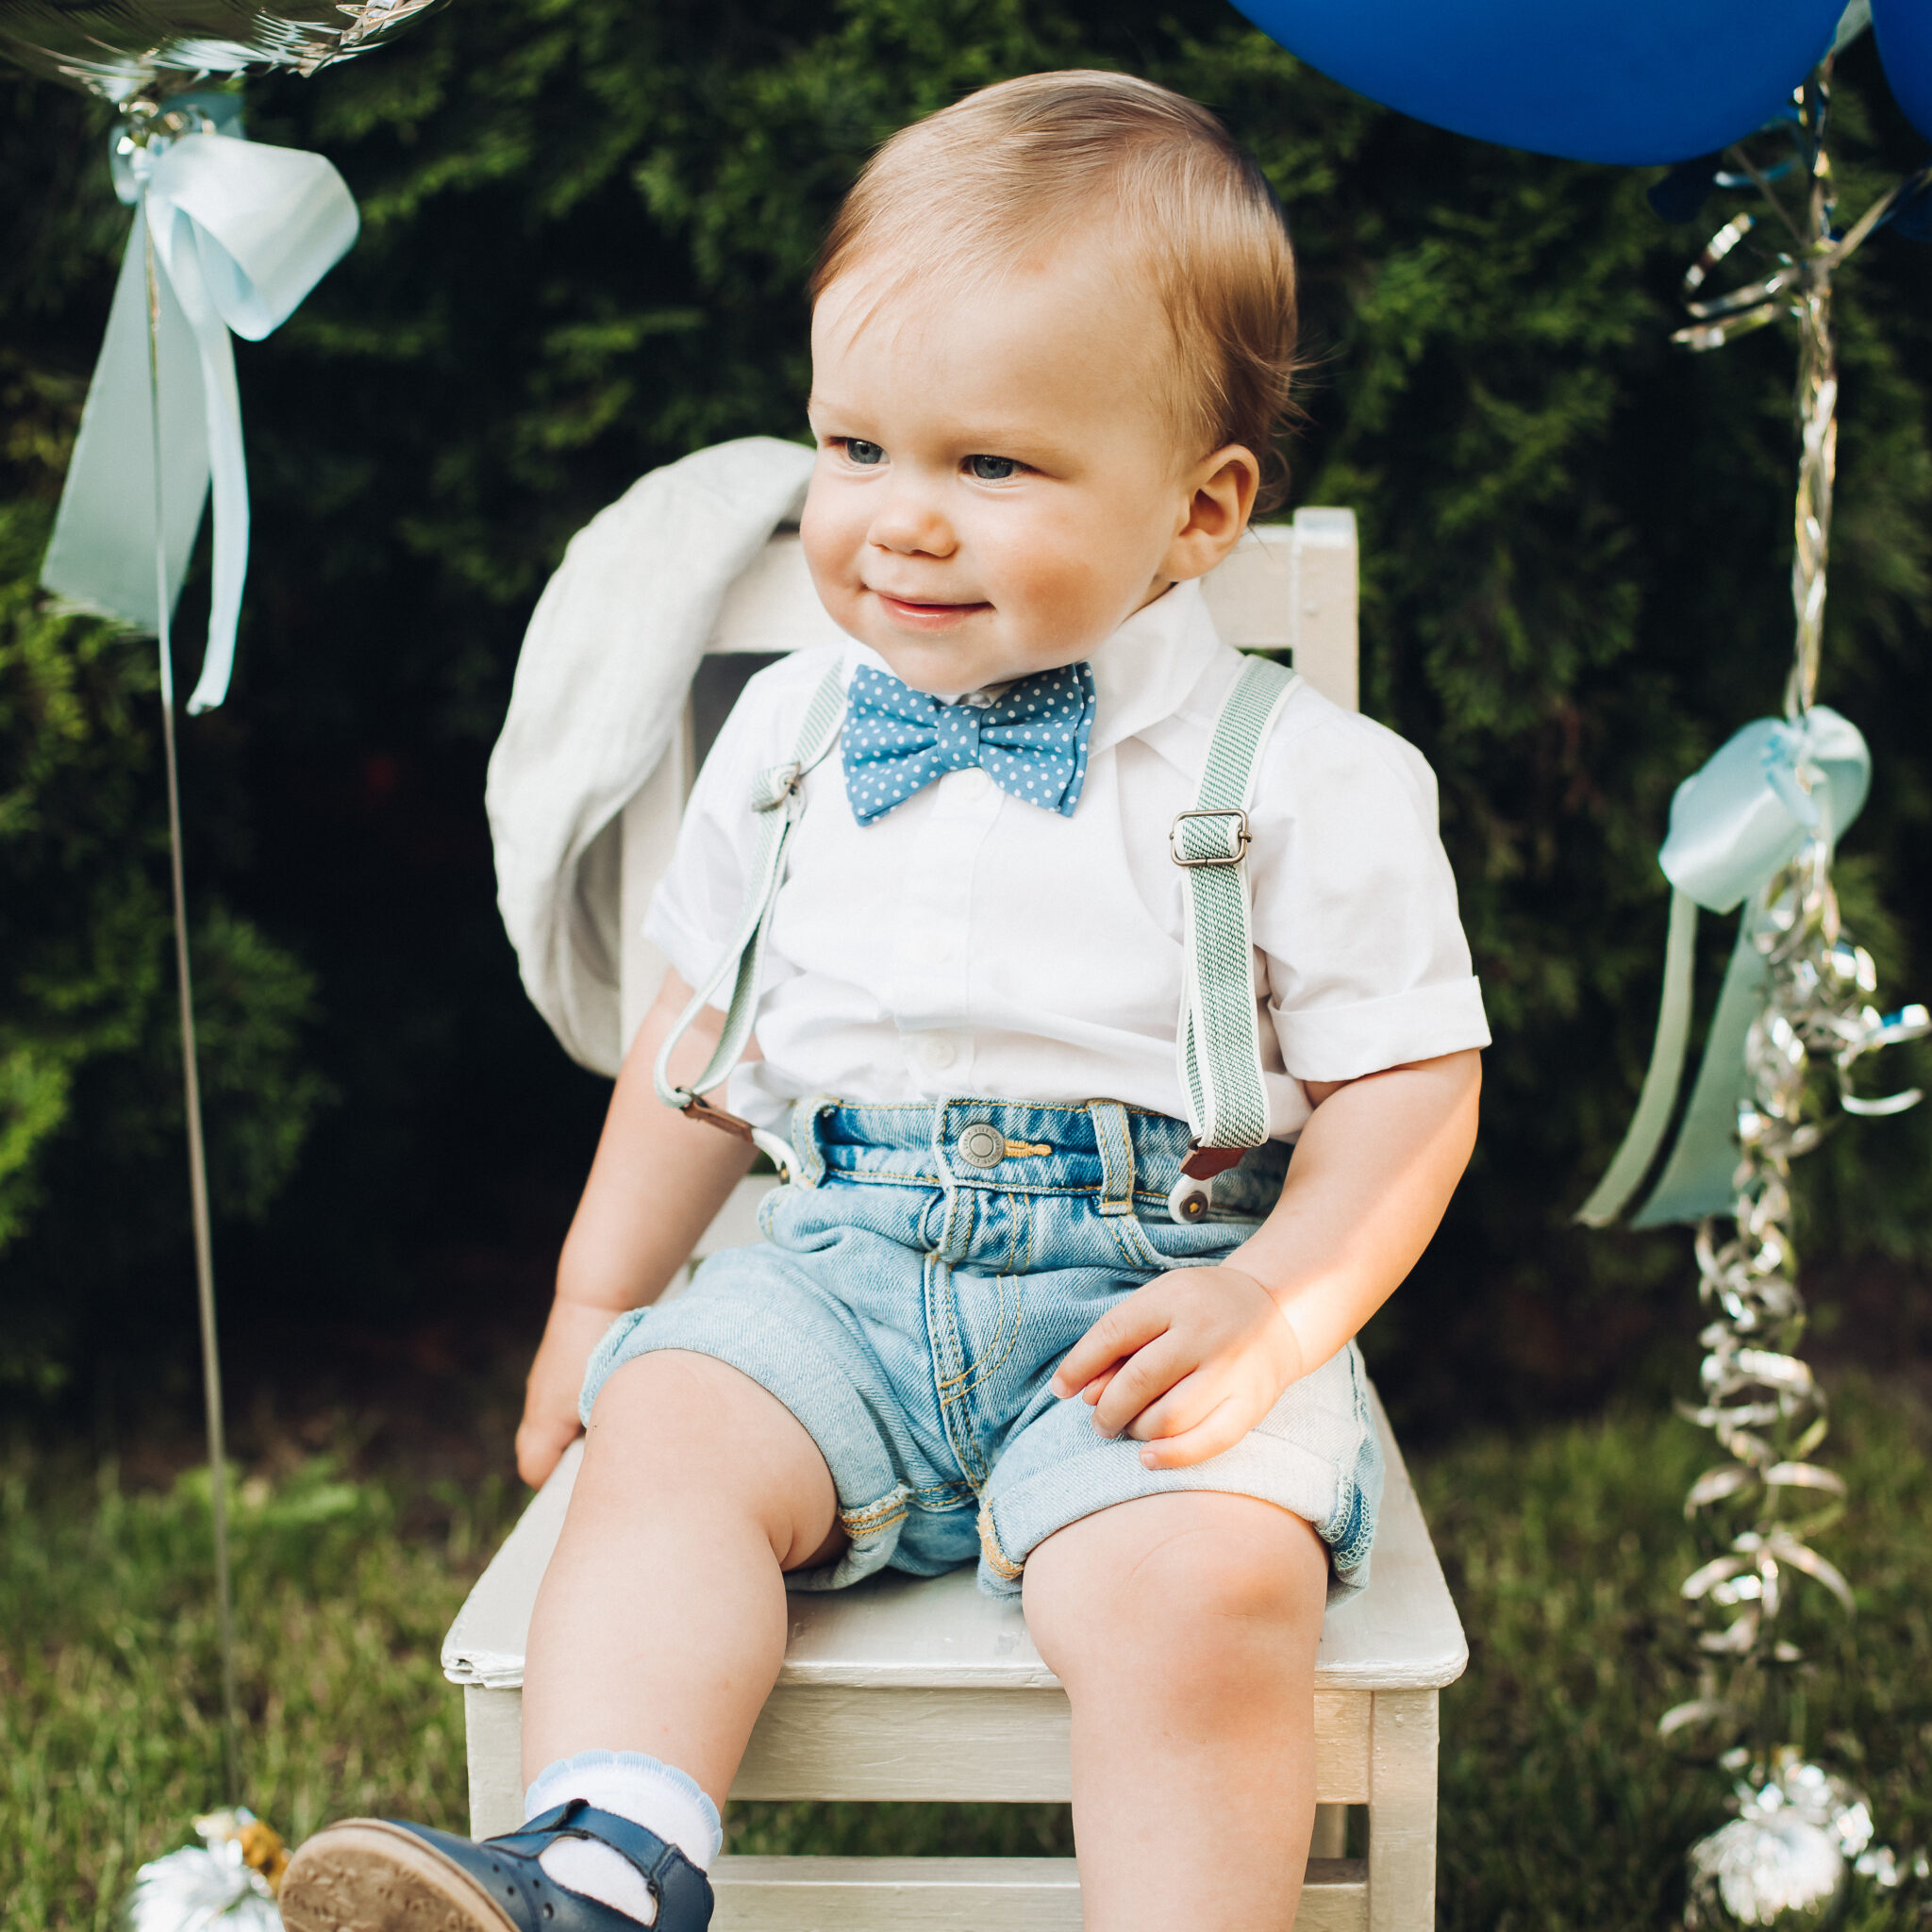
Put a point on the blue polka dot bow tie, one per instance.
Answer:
(1030, 741)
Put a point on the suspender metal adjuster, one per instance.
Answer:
(1218, 836)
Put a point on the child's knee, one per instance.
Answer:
(1198, 1582)
(674, 1433)
(670, 1393)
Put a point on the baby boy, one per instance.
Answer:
(1002, 1312)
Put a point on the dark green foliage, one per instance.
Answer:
(587, 225)
(90, 1118)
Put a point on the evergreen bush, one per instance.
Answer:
(587, 224)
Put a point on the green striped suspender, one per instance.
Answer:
(1219, 1044)
(777, 800)
(1226, 1102)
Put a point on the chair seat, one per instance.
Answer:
(904, 1687)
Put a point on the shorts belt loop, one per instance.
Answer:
(1115, 1140)
(808, 1167)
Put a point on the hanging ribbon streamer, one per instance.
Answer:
(241, 233)
(1734, 824)
(1757, 827)
(227, 236)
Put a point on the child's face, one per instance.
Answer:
(998, 485)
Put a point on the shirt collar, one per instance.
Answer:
(1144, 672)
(1149, 667)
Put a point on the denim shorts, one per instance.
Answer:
(910, 1306)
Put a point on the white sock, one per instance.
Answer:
(659, 1796)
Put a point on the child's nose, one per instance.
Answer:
(910, 524)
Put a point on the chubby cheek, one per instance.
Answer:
(832, 531)
(1060, 592)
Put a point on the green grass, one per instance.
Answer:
(1558, 1808)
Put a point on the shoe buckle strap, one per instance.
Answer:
(682, 1891)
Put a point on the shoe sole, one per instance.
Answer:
(365, 1875)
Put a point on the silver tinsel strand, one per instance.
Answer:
(1784, 1860)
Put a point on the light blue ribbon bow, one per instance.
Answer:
(241, 233)
(1030, 741)
(1747, 812)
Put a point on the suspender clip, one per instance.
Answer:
(1204, 1164)
(698, 1109)
(1188, 1199)
(774, 785)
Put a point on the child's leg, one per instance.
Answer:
(660, 1624)
(1184, 1627)
(659, 1630)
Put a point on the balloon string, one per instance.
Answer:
(1817, 406)
(191, 1080)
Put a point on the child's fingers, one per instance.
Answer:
(540, 1441)
(1140, 1381)
(1221, 1429)
(1091, 1392)
(1185, 1405)
(1117, 1335)
(1097, 1388)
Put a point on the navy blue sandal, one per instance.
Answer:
(379, 1875)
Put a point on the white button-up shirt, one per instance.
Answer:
(968, 944)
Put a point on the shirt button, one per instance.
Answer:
(972, 783)
(928, 948)
(937, 1051)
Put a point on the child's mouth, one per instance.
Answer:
(926, 616)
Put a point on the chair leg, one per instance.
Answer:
(1331, 1832)
(1402, 1812)
(493, 1732)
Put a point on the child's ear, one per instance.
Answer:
(1220, 497)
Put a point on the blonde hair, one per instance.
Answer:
(1009, 173)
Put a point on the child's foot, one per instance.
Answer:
(374, 1874)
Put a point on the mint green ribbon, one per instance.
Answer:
(241, 233)
(1748, 812)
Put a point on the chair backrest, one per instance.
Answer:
(1291, 590)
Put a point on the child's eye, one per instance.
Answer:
(992, 469)
(863, 453)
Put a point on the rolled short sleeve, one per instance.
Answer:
(1355, 905)
(693, 913)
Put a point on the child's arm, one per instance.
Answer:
(1194, 1360)
(654, 1185)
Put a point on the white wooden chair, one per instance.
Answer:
(926, 1690)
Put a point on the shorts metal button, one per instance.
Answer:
(982, 1145)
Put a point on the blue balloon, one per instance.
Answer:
(1636, 81)
(1905, 44)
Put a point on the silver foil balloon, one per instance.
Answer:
(1780, 1872)
(1786, 1858)
(225, 1884)
(123, 48)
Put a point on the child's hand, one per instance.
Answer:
(550, 1423)
(1188, 1364)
